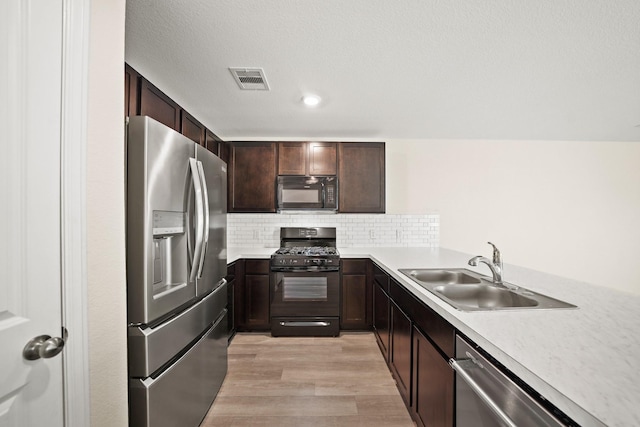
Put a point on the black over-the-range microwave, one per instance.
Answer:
(307, 193)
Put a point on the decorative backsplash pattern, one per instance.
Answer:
(263, 230)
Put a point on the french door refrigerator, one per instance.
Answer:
(176, 263)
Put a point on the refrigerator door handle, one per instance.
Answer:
(197, 188)
(205, 211)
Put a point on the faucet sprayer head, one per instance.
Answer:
(474, 261)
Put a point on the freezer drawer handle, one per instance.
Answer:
(461, 366)
(302, 324)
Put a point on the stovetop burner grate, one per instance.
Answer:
(308, 251)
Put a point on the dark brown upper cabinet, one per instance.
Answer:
(191, 128)
(361, 177)
(131, 91)
(141, 98)
(213, 143)
(158, 106)
(252, 177)
(307, 158)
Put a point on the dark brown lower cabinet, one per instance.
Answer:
(433, 382)
(252, 295)
(256, 302)
(400, 351)
(417, 343)
(381, 318)
(231, 284)
(355, 312)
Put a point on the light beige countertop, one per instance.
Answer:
(586, 361)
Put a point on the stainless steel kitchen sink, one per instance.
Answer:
(449, 277)
(467, 290)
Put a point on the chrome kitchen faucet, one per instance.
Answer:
(495, 265)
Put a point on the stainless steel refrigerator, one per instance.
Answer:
(176, 263)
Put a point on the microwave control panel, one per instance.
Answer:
(331, 195)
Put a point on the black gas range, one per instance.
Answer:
(305, 283)
(306, 249)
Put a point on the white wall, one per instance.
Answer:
(105, 216)
(566, 208)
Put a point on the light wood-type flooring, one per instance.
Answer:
(314, 382)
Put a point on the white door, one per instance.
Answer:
(30, 202)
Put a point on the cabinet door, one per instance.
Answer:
(191, 128)
(253, 300)
(231, 285)
(356, 295)
(292, 158)
(224, 151)
(158, 106)
(381, 318)
(322, 158)
(361, 177)
(252, 177)
(238, 296)
(131, 88)
(400, 351)
(307, 158)
(433, 381)
(256, 294)
(212, 143)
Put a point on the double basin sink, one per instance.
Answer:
(469, 291)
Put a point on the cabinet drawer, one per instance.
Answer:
(354, 266)
(436, 328)
(381, 278)
(256, 266)
(402, 297)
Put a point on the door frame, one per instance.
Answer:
(75, 65)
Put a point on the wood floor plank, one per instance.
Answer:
(310, 406)
(269, 388)
(307, 381)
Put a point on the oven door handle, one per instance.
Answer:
(461, 367)
(303, 324)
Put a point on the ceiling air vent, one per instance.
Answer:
(250, 78)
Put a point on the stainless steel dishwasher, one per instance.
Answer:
(486, 397)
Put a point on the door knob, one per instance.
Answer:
(43, 346)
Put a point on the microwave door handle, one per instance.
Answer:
(197, 188)
(205, 211)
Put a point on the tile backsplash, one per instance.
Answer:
(354, 230)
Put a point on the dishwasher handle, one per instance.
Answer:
(461, 367)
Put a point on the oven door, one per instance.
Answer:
(305, 294)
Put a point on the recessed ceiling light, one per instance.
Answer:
(311, 100)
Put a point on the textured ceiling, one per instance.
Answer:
(423, 69)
